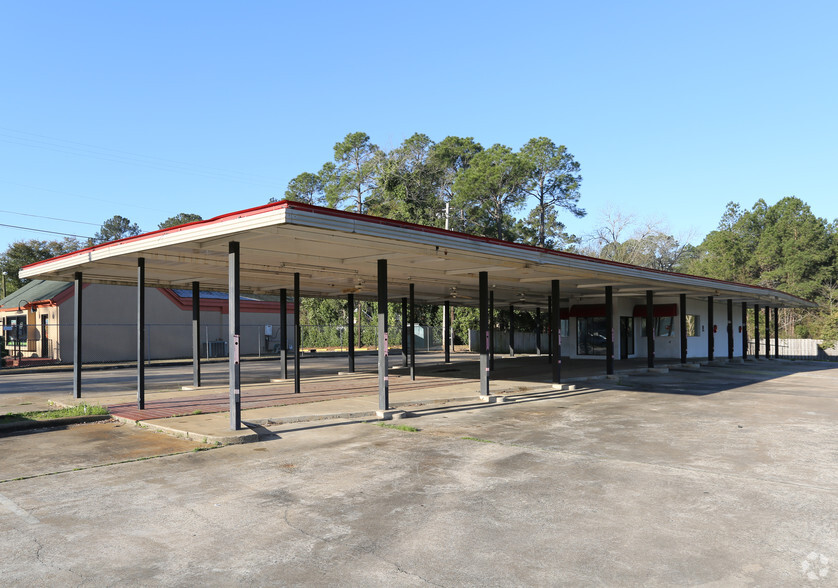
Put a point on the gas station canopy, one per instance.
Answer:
(336, 253)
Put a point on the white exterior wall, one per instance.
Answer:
(668, 347)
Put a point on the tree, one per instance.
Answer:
(356, 171)
(794, 251)
(552, 181)
(407, 187)
(116, 227)
(450, 158)
(620, 237)
(726, 253)
(784, 246)
(179, 219)
(545, 230)
(306, 187)
(21, 253)
(490, 189)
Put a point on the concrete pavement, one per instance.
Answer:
(710, 477)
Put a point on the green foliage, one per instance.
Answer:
(553, 180)
(116, 227)
(543, 229)
(784, 246)
(490, 190)
(408, 189)
(355, 174)
(82, 409)
(454, 183)
(307, 188)
(179, 219)
(406, 428)
(21, 253)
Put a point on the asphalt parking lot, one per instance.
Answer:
(720, 477)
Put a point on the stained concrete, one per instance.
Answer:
(722, 476)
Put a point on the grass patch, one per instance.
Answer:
(58, 413)
(476, 439)
(407, 428)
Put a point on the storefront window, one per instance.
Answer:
(663, 326)
(591, 333)
(18, 331)
(692, 325)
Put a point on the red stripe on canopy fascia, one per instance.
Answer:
(658, 311)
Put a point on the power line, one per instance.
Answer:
(127, 157)
(65, 220)
(76, 195)
(45, 231)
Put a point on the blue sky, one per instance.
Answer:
(146, 109)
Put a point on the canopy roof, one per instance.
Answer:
(335, 252)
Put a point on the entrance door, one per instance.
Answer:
(626, 336)
(44, 337)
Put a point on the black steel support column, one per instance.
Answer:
(141, 333)
(511, 331)
(550, 330)
(298, 333)
(405, 350)
(682, 325)
(744, 331)
(196, 335)
(383, 376)
(350, 331)
(730, 329)
(767, 332)
(411, 340)
(538, 331)
(446, 326)
(555, 332)
(650, 329)
(77, 342)
(711, 330)
(756, 331)
(609, 330)
(483, 336)
(283, 333)
(234, 332)
(776, 333)
(491, 349)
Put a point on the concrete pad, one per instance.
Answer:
(79, 447)
(389, 415)
(205, 428)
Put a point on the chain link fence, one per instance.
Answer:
(117, 343)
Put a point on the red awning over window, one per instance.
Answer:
(563, 314)
(659, 310)
(587, 310)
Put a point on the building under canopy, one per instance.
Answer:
(319, 252)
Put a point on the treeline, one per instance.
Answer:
(456, 184)
(521, 196)
(784, 247)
